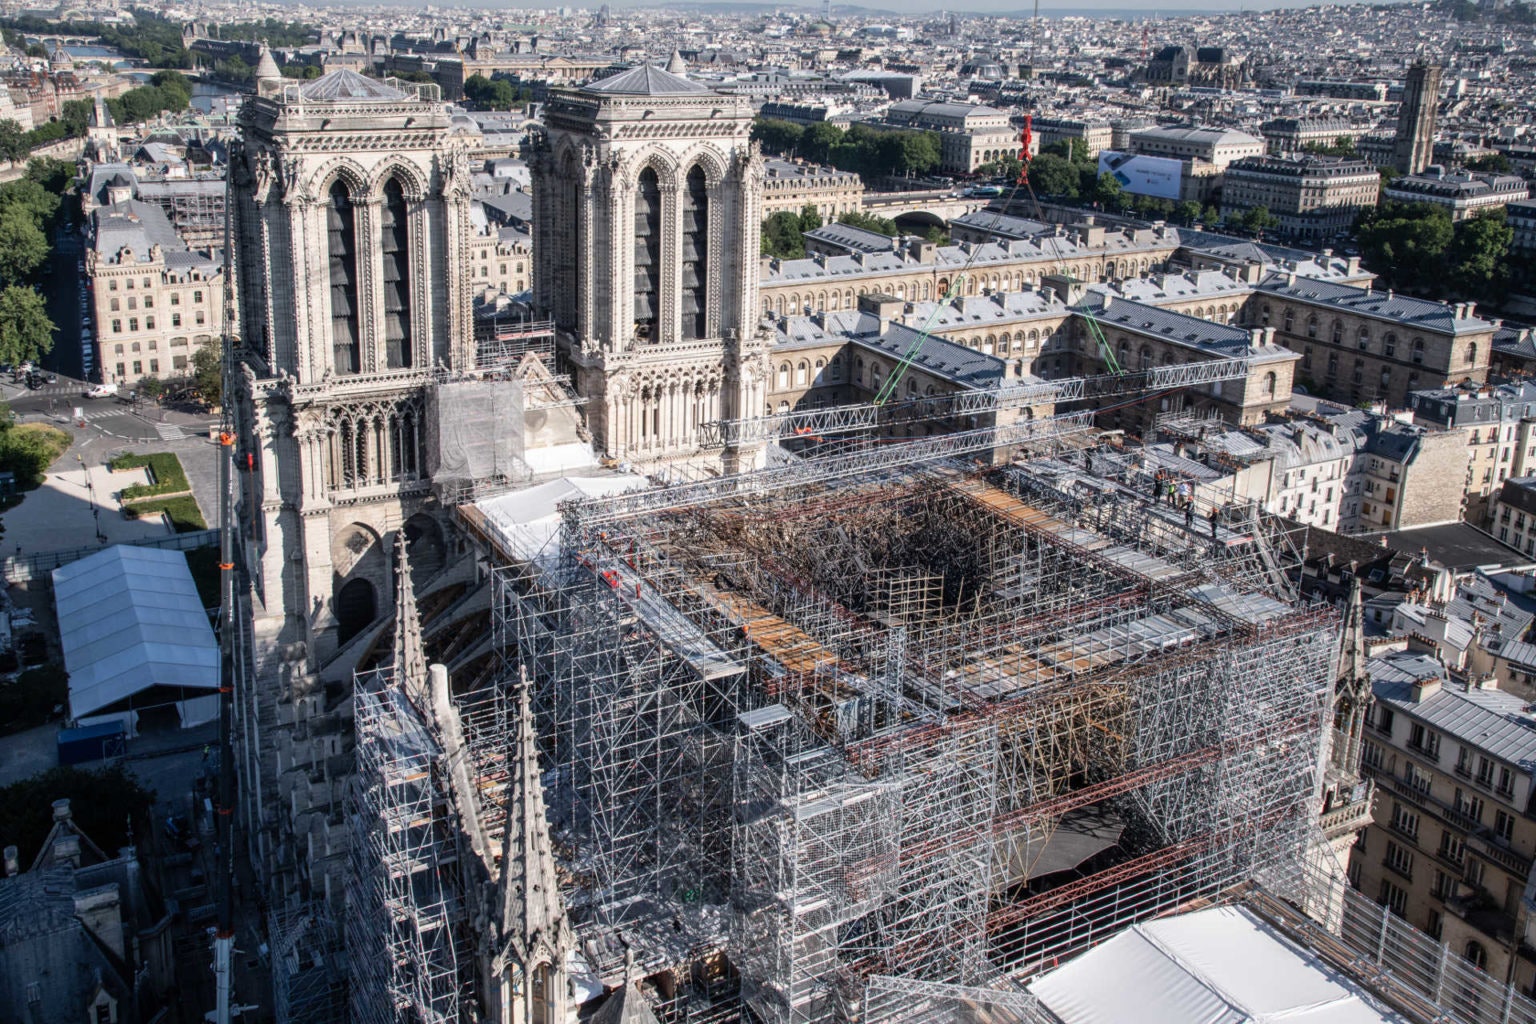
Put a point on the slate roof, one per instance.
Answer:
(1401, 309)
(1493, 721)
(646, 80)
(135, 224)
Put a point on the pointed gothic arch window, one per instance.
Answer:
(695, 254)
(341, 236)
(647, 255)
(394, 243)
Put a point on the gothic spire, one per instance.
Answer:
(533, 922)
(410, 658)
(1353, 681)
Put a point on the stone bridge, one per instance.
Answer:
(919, 211)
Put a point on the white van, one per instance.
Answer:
(101, 391)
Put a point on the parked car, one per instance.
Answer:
(101, 391)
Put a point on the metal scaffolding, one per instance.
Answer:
(893, 715)
(406, 942)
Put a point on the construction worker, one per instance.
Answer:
(1212, 518)
(1189, 515)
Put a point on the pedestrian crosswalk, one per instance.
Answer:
(169, 432)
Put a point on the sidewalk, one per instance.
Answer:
(58, 514)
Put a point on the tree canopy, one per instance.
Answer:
(25, 330)
(1415, 247)
(864, 149)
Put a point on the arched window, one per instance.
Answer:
(355, 607)
(341, 234)
(1472, 354)
(802, 373)
(1416, 353)
(1476, 955)
(1146, 358)
(695, 254)
(1269, 385)
(648, 255)
(783, 376)
(1389, 345)
(1290, 320)
(1338, 332)
(397, 277)
(1264, 314)
(821, 364)
(1364, 337)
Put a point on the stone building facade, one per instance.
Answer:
(1451, 847)
(791, 187)
(649, 198)
(970, 135)
(1372, 345)
(351, 206)
(1313, 197)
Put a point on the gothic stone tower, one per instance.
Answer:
(351, 207)
(647, 203)
(1413, 147)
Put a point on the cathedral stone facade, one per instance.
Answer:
(351, 207)
(648, 204)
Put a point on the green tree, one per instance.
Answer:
(1477, 258)
(1005, 166)
(208, 373)
(1406, 244)
(1259, 219)
(105, 804)
(810, 217)
(26, 194)
(75, 115)
(1496, 163)
(819, 140)
(37, 50)
(1187, 212)
(869, 222)
(488, 93)
(1108, 192)
(13, 141)
(1053, 175)
(151, 388)
(1210, 216)
(780, 138)
(54, 175)
(23, 246)
(782, 236)
(25, 330)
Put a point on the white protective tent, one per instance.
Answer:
(1223, 965)
(526, 523)
(135, 635)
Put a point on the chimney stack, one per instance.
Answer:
(61, 810)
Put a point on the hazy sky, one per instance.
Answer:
(1052, 8)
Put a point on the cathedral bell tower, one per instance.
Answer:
(350, 201)
(647, 211)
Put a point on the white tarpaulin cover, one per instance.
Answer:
(526, 521)
(129, 620)
(1218, 966)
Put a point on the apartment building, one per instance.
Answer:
(1365, 344)
(1498, 423)
(1521, 218)
(969, 134)
(1314, 197)
(1290, 135)
(155, 301)
(1450, 845)
(1094, 135)
(1406, 476)
(1462, 194)
(789, 187)
(1512, 517)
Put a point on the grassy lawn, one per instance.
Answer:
(164, 469)
(183, 512)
